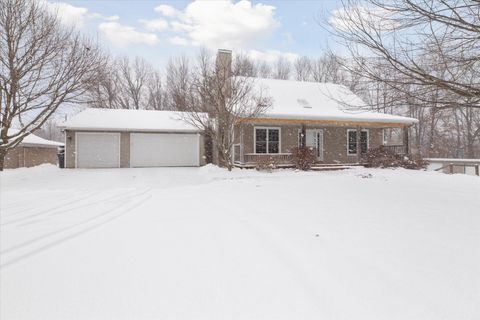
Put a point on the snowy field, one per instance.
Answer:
(202, 243)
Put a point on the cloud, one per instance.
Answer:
(155, 25)
(222, 23)
(68, 14)
(178, 41)
(74, 16)
(271, 56)
(121, 35)
(346, 19)
(166, 10)
(112, 18)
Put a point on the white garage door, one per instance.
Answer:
(98, 150)
(164, 149)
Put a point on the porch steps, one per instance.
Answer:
(330, 168)
(318, 167)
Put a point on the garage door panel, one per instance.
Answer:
(163, 149)
(98, 150)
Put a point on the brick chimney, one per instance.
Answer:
(223, 65)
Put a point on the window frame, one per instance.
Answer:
(267, 139)
(368, 141)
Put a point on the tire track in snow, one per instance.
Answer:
(50, 234)
(29, 205)
(61, 209)
(56, 207)
(124, 206)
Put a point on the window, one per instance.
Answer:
(352, 141)
(267, 140)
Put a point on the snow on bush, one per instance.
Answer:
(382, 157)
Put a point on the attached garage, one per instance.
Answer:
(105, 138)
(164, 149)
(98, 150)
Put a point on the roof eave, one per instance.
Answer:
(73, 128)
(334, 120)
(41, 145)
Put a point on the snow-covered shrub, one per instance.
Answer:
(266, 163)
(303, 157)
(382, 157)
(414, 162)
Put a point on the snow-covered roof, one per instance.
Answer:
(319, 101)
(35, 141)
(129, 120)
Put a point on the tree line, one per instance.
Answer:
(409, 57)
(448, 126)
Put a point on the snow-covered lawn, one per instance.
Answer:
(202, 243)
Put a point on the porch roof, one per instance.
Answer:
(300, 100)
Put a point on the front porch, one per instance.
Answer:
(333, 145)
(284, 160)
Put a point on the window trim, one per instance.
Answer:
(368, 141)
(267, 128)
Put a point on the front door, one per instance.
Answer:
(314, 139)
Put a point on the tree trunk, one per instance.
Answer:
(3, 153)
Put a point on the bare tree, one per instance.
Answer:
(50, 130)
(218, 101)
(282, 69)
(328, 68)
(264, 69)
(446, 33)
(156, 93)
(178, 83)
(303, 69)
(128, 84)
(103, 91)
(42, 66)
(132, 80)
(244, 66)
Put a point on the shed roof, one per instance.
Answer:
(35, 141)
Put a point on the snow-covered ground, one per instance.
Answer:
(202, 243)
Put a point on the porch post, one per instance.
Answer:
(359, 144)
(406, 143)
(303, 137)
(242, 160)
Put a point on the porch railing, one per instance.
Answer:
(279, 158)
(397, 148)
(240, 157)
